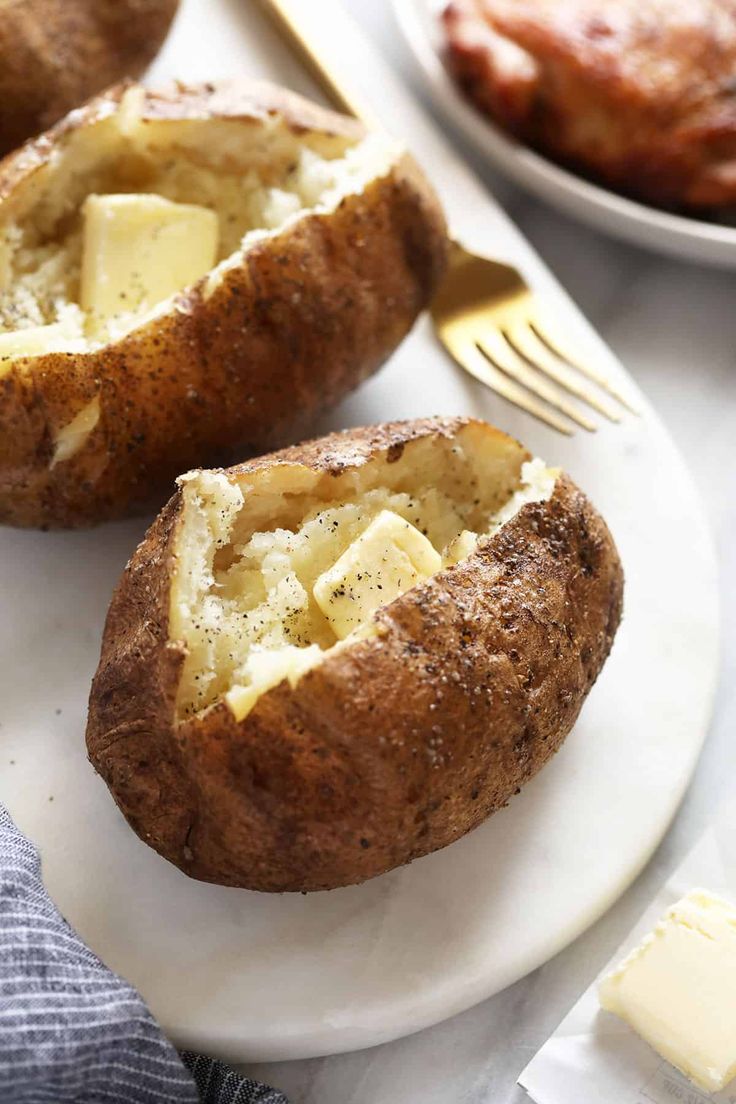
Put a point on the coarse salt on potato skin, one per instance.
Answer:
(306, 315)
(389, 749)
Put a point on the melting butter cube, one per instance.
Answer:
(267, 669)
(388, 558)
(140, 249)
(677, 989)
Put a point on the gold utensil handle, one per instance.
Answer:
(309, 52)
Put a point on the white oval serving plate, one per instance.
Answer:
(254, 976)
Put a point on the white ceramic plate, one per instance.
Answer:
(690, 238)
(258, 977)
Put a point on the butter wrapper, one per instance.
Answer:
(595, 1058)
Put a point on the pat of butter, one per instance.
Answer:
(140, 249)
(72, 436)
(677, 989)
(463, 545)
(387, 559)
(266, 669)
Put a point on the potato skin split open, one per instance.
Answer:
(391, 748)
(306, 315)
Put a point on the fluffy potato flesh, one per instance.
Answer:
(66, 284)
(278, 568)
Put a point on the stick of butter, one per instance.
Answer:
(677, 989)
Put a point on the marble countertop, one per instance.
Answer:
(674, 326)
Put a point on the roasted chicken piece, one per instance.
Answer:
(638, 94)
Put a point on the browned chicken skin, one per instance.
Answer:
(640, 94)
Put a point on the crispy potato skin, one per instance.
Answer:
(307, 316)
(640, 95)
(387, 751)
(55, 54)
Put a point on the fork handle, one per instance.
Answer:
(303, 41)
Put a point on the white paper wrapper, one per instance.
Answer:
(593, 1057)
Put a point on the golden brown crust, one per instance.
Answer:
(352, 448)
(640, 95)
(246, 100)
(54, 54)
(309, 313)
(386, 751)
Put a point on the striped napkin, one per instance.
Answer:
(71, 1031)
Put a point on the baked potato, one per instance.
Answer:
(326, 662)
(638, 94)
(55, 54)
(192, 275)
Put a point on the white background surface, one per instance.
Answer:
(272, 977)
(674, 326)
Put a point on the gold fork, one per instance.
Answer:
(485, 314)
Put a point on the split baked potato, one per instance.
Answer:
(326, 662)
(188, 275)
(55, 54)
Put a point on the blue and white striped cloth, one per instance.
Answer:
(71, 1031)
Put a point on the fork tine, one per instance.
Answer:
(550, 338)
(469, 357)
(525, 341)
(495, 346)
